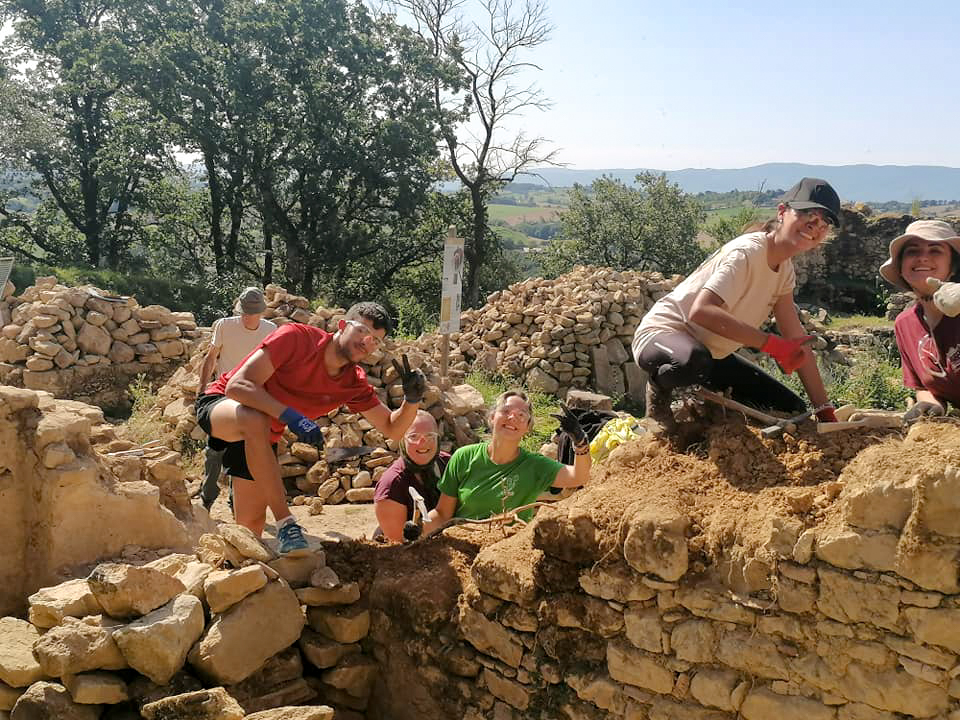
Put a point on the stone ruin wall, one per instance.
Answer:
(67, 501)
(854, 618)
(74, 343)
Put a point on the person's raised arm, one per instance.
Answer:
(578, 474)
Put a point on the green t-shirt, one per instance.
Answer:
(479, 484)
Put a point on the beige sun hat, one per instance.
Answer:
(929, 230)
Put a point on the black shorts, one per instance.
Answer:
(234, 453)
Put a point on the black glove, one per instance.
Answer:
(571, 426)
(411, 531)
(923, 409)
(414, 381)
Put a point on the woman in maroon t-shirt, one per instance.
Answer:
(928, 340)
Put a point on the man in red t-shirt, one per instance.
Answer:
(297, 373)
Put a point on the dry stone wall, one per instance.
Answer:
(68, 501)
(574, 331)
(81, 344)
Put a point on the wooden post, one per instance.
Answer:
(453, 257)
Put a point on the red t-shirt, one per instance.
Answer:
(300, 379)
(930, 361)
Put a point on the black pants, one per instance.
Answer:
(675, 360)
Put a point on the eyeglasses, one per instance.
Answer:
(807, 216)
(930, 357)
(368, 333)
(416, 437)
(516, 413)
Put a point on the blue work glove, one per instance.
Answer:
(304, 428)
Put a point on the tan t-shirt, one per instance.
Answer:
(738, 273)
(235, 341)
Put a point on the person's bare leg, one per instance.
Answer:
(230, 421)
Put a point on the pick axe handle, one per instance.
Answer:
(738, 407)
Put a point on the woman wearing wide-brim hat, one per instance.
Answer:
(928, 339)
(691, 335)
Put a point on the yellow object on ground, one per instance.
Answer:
(614, 433)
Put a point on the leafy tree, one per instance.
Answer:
(727, 228)
(93, 146)
(649, 227)
(489, 56)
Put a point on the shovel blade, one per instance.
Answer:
(339, 454)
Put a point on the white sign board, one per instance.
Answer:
(6, 265)
(452, 287)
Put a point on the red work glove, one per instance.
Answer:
(789, 354)
(828, 414)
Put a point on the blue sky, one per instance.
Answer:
(669, 85)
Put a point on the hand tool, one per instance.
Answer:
(790, 424)
(738, 407)
(339, 454)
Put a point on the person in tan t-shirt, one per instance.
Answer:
(689, 337)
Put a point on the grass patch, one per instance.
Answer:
(521, 213)
(543, 406)
(144, 423)
(844, 322)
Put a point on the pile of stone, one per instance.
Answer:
(62, 339)
(574, 331)
(219, 633)
(898, 302)
(309, 479)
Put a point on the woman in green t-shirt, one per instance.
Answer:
(493, 477)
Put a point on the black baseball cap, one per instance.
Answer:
(814, 193)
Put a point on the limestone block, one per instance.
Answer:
(508, 581)
(322, 652)
(541, 381)
(18, 667)
(882, 503)
(295, 712)
(48, 606)
(852, 550)
(940, 511)
(922, 653)
(859, 711)
(935, 626)
(666, 708)
(12, 351)
(643, 628)
(297, 571)
(463, 399)
(157, 644)
(38, 364)
(76, 647)
(511, 692)
(125, 591)
(213, 704)
(581, 611)
(705, 602)
(694, 641)
(360, 495)
(615, 582)
(96, 688)
(170, 348)
(94, 340)
(849, 600)
(354, 675)
(324, 577)
(120, 352)
(490, 637)
(239, 641)
(345, 594)
(362, 479)
(225, 588)
(751, 653)
(933, 567)
(656, 544)
(51, 701)
(714, 688)
(762, 704)
(214, 550)
(600, 689)
(628, 665)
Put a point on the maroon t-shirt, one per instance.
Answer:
(395, 481)
(931, 361)
(300, 377)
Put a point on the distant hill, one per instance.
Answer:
(877, 183)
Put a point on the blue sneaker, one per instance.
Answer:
(290, 540)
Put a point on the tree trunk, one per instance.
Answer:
(215, 189)
(476, 250)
